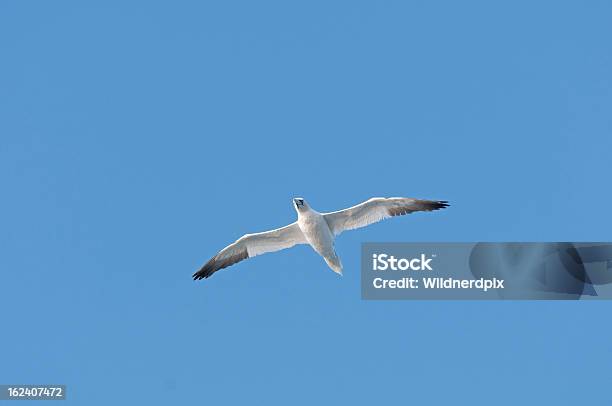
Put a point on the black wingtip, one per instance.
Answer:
(440, 204)
(206, 270)
(199, 275)
(216, 263)
(203, 273)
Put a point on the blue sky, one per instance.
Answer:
(138, 138)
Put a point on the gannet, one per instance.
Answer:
(316, 229)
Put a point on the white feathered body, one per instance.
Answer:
(320, 237)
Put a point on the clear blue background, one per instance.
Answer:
(138, 138)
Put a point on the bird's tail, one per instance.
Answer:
(334, 263)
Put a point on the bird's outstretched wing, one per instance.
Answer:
(250, 245)
(377, 209)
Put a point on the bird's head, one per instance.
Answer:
(300, 204)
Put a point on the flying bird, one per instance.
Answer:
(317, 229)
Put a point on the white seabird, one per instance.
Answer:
(316, 229)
